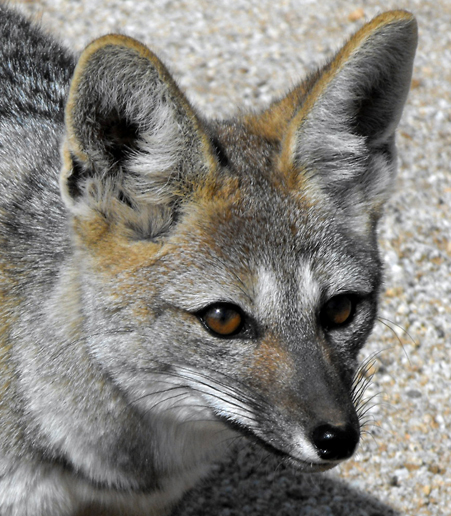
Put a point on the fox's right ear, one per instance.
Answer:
(343, 137)
(133, 144)
(340, 125)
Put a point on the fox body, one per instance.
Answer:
(169, 283)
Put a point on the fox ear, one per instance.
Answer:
(342, 138)
(133, 143)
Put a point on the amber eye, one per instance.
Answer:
(222, 319)
(338, 311)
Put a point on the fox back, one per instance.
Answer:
(168, 282)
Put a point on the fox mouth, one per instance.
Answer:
(319, 447)
(285, 456)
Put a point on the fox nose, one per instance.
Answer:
(335, 442)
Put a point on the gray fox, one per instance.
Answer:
(169, 283)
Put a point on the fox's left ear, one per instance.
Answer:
(342, 138)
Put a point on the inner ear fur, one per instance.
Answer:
(131, 135)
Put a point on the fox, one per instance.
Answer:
(170, 284)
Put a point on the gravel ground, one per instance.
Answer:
(241, 53)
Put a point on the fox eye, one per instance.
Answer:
(222, 319)
(338, 311)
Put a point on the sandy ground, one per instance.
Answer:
(227, 54)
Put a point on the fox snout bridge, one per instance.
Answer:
(335, 442)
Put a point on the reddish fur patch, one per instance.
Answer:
(272, 366)
(112, 251)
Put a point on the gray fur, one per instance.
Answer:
(122, 225)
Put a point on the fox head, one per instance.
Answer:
(229, 270)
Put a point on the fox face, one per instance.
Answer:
(218, 277)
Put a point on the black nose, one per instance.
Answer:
(335, 442)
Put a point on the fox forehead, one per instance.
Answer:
(277, 296)
(259, 246)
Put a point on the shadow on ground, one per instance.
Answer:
(252, 483)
